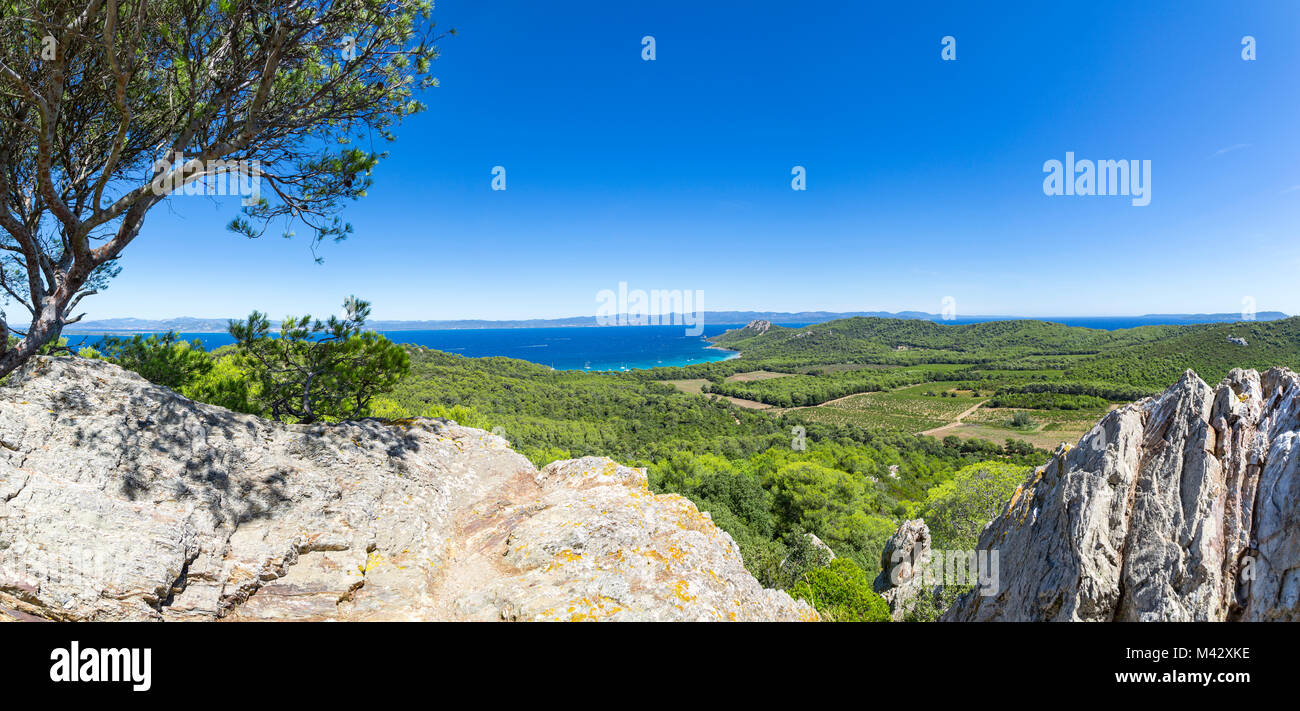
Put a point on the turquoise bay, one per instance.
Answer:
(571, 348)
(620, 347)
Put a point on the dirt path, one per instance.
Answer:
(748, 404)
(951, 425)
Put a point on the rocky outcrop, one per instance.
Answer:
(1185, 506)
(822, 555)
(120, 500)
(906, 554)
(820, 545)
(758, 327)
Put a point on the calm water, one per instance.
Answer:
(603, 348)
(608, 347)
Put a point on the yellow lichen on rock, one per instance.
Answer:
(564, 556)
(374, 559)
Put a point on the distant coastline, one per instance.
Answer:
(127, 326)
(601, 348)
(615, 348)
(732, 353)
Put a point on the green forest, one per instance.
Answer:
(819, 461)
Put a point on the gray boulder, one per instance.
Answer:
(121, 500)
(906, 554)
(1184, 506)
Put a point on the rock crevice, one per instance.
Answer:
(1180, 507)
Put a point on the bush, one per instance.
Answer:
(386, 408)
(163, 360)
(743, 496)
(227, 384)
(319, 370)
(802, 557)
(1049, 401)
(1023, 419)
(958, 509)
(928, 605)
(841, 592)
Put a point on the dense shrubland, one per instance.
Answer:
(1205, 349)
(841, 592)
(310, 371)
(913, 341)
(806, 390)
(1124, 364)
(1048, 401)
(957, 509)
(1110, 393)
(319, 370)
(770, 479)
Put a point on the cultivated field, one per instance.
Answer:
(753, 376)
(695, 386)
(692, 385)
(905, 408)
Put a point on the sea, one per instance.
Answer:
(608, 348)
(563, 348)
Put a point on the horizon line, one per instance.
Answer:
(915, 315)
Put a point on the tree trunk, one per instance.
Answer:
(43, 328)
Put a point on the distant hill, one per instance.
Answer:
(217, 325)
(871, 338)
(142, 325)
(209, 325)
(1147, 356)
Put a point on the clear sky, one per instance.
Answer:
(924, 176)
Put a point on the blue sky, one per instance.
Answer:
(924, 177)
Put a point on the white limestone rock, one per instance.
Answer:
(121, 500)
